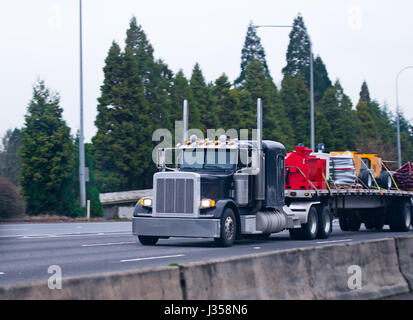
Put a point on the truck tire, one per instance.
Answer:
(309, 230)
(365, 177)
(228, 229)
(385, 180)
(354, 223)
(374, 224)
(349, 222)
(148, 240)
(400, 217)
(369, 225)
(296, 234)
(325, 222)
(343, 222)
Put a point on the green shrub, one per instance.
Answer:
(12, 203)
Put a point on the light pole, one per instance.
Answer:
(82, 179)
(399, 149)
(311, 80)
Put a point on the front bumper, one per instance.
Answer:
(176, 227)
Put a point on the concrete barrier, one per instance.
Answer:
(405, 254)
(310, 273)
(151, 284)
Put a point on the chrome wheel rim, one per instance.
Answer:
(327, 225)
(229, 228)
(407, 218)
(369, 181)
(389, 182)
(313, 224)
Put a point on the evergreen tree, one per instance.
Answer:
(181, 91)
(9, 156)
(92, 191)
(296, 100)
(122, 147)
(203, 99)
(46, 153)
(365, 93)
(336, 122)
(347, 120)
(321, 79)
(276, 125)
(252, 50)
(227, 102)
(298, 53)
(155, 75)
(369, 129)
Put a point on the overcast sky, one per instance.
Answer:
(358, 40)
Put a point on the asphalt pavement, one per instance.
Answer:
(27, 250)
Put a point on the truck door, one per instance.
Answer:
(280, 163)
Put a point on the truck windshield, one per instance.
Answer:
(223, 159)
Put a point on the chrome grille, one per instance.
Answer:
(174, 195)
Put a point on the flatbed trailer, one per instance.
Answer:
(353, 206)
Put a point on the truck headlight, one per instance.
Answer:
(146, 202)
(207, 203)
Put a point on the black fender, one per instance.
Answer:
(141, 210)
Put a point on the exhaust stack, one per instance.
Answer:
(259, 125)
(260, 165)
(185, 128)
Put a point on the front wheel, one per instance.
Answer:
(228, 229)
(148, 240)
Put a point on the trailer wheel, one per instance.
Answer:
(354, 223)
(325, 222)
(400, 217)
(343, 222)
(349, 222)
(310, 229)
(369, 225)
(228, 229)
(148, 240)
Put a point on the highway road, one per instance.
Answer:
(28, 249)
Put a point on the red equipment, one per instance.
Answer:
(304, 171)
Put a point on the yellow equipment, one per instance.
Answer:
(370, 166)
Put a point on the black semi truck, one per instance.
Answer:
(227, 189)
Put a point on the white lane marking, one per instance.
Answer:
(335, 241)
(48, 236)
(1, 273)
(152, 258)
(257, 248)
(14, 229)
(106, 244)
